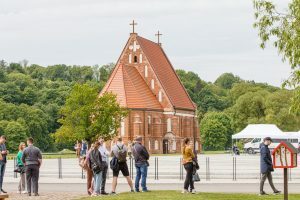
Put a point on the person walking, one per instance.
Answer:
(97, 168)
(119, 151)
(105, 158)
(141, 157)
(89, 172)
(3, 160)
(32, 158)
(187, 161)
(21, 169)
(266, 166)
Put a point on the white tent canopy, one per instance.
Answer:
(260, 131)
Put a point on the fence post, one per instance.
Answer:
(15, 164)
(207, 169)
(156, 168)
(180, 168)
(59, 168)
(234, 168)
(82, 174)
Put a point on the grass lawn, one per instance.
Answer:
(176, 195)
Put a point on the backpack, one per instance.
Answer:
(114, 164)
(121, 154)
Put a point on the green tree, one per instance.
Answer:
(277, 111)
(227, 80)
(223, 123)
(15, 133)
(249, 108)
(282, 28)
(86, 116)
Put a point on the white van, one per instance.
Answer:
(253, 146)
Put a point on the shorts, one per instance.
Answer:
(123, 168)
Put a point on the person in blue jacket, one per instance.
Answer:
(266, 166)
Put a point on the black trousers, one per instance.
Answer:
(32, 178)
(189, 176)
(104, 177)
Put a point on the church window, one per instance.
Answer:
(152, 84)
(122, 128)
(160, 96)
(146, 71)
(141, 58)
(169, 125)
(135, 59)
(129, 58)
(137, 119)
(196, 146)
(156, 145)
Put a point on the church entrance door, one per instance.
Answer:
(165, 146)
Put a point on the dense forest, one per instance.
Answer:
(31, 97)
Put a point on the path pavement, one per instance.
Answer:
(77, 190)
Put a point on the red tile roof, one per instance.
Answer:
(166, 74)
(132, 91)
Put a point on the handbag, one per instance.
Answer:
(20, 169)
(196, 177)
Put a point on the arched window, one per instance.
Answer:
(149, 145)
(146, 71)
(129, 58)
(160, 96)
(135, 59)
(196, 146)
(152, 84)
(122, 128)
(141, 58)
(169, 125)
(156, 147)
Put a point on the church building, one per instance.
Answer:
(160, 109)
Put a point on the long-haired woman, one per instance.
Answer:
(187, 160)
(97, 168)
(20, 165)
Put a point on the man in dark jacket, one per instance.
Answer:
(32, 158)
(266, 166)
(141, 157)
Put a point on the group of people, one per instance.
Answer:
(96, 164)
(29, 160)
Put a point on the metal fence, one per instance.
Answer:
(169, 167)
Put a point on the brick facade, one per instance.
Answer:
(163, 128)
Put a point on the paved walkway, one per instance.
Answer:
(76, 191)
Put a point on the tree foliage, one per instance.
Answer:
(282, 28)
(216, 131)
(86, 116)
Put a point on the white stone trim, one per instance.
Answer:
(179, 114)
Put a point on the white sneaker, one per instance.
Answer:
(193, 191)
(24, 192)
(184, 191)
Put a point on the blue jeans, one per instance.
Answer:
(141, 172)
(97, 182)
(2, 171)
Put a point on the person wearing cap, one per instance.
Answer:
(266, 166)
(141, 157)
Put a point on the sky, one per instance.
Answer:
(209, 37)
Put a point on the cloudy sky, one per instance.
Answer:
(209, 37)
